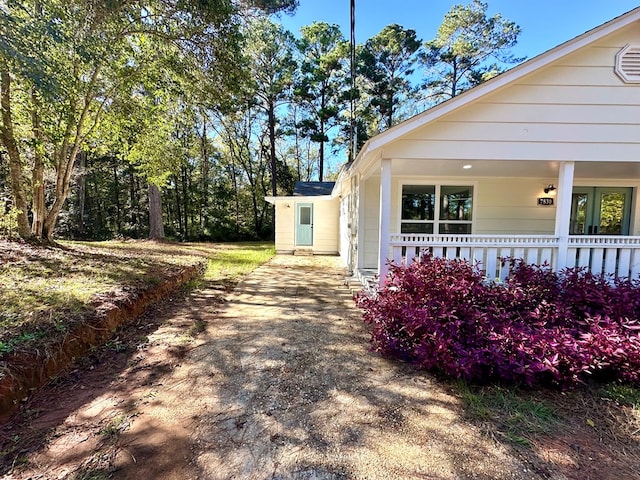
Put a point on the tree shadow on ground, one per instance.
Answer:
(278, 383)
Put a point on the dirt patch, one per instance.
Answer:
(24, 370)
(274, 380)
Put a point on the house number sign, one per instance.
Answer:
(545, 200)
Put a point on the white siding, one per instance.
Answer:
(575, 109)
(325, 226)
(344, 228)
(510, 206)
(285, 226)
(501, 205)
(371, 222)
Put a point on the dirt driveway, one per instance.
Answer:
(277, 384)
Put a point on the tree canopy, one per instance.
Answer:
(468, 49)
(177, 117)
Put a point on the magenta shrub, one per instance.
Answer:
(536, 328)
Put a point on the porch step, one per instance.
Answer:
(353, 284)
(362, 280)
(303, 251)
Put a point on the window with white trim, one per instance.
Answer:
(442, 209)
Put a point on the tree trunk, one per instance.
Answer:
(134, 207)
(236, 198)
(156, 226)
(116, 196)
(321, 153)
(274, 164)
(204, 205)
(272, 148)
(11, 145)
(176, 189)
(82, 191)
(185, 199)
(37, 174)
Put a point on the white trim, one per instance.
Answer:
(437, 183)
(563, 210)
(628, 69)
(362, 220)
(298, 198)
(384, 230)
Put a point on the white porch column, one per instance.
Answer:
(360, 221)
(385, 218)
(563, 211)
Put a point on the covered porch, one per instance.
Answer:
(523, 219)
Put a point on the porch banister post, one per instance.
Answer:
(385, 218)
(563, 211)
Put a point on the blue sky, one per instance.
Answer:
(544, 23)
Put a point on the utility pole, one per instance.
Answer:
(352, 93)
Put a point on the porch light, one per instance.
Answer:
(549, 188)
(467, 167)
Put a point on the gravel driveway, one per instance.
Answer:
(288, 389)
(278, 384)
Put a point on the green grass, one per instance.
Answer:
(622, 394)
(46, 289)
(231, 265)
(517, 415)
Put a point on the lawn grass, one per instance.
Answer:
(527, 417)
(517, 415)
(45, 289)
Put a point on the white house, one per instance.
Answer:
(540, 163)
(308, 221)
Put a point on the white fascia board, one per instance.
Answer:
(299, 198)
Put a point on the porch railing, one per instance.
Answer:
(615, 255)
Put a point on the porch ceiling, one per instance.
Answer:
(514, 168)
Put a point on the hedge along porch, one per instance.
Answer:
(467, 178)
(307, 221)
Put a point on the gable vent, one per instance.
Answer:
(628, 64)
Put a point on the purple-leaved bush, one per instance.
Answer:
(536, 328)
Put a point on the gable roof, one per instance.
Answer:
(505, 78)
(312, 189)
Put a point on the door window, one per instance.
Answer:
(600, 211)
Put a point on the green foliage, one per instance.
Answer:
(386, 62)
(321, 87)
(212, 102)
(467, 40)
(80, 59)
(9, 222)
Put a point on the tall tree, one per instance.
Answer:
(270, 51)
(73, 56)
(243, 137)
(469, 48)
(321, 88)
(386, 62)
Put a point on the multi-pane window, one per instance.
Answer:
(453, 204)
(418, 207)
